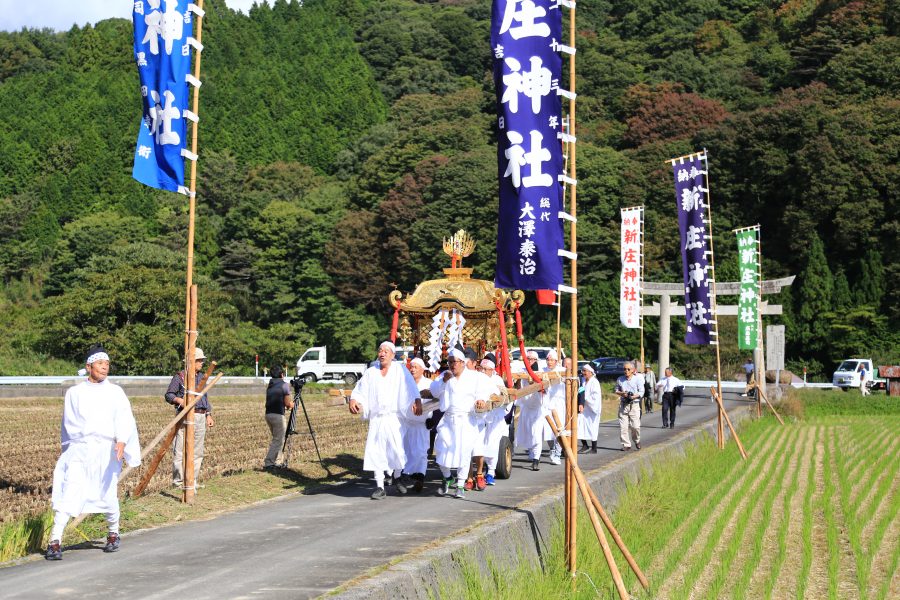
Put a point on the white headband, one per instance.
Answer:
(458, 354)
(96, 356)
(587, 367)
(389, 345)
(418, 361)
(487, 363)
(552, 354)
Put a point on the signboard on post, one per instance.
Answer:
(775, 347)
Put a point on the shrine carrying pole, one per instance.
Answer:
(190, 316)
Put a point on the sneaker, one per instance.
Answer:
(112, 543)
(419, 482)
(378, 494)
(460, 492)
(401, 486)
(583, 450)
(637, 445)
(480, 483)
(489, 480)
(469, 485)
(445, 487)
(554, 459)
(54, 551)
(535, 465)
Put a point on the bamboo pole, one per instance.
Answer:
(608, 522)
(769, 404)
(728, 420)
(187, 483)
(572, 404)
(173, 431)
(759, 330)
(714, 303)
(592, 513)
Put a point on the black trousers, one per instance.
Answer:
(668, 409)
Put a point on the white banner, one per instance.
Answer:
(632, 277)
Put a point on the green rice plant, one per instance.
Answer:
(894, 564)
(806, 561)
(701, 559)
(831, 528)
(24, 537)
(852, 525)
(778, 559)
(741, 584)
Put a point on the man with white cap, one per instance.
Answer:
(460, 391)
(415, 434)
(556, 400)
(203, 419)
(476, 480)
(495, 421)
(98, 431)
(630, 390)
(589, 411)
(532, 429)
(385, 395)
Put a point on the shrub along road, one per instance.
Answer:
(301, 547)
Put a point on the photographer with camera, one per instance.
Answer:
(278, 398)
(630, 390)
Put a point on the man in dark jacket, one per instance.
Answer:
(278, 398)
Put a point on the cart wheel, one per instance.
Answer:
(504, 459)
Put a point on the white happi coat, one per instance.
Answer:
(589, 420)
(556, 399)
(495, 424)
(95, 417)
(386, 400)
(416, 436)
(457, 431)
(532, 428)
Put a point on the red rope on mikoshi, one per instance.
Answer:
(394, 324)
(534, 376)
(503, 363)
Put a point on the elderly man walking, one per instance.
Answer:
(98, 431)
(669, 386)
(630, 390)
(589, 411)
(415, 433)
(460, 392)
(496, 426)
(532, 429)
(556, 397)
(384, 395)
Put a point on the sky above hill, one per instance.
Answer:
(62, 14)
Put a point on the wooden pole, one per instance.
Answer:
(592, 513)
(190, 375)
(608, 522)
(713, 303)
(759, 331)
(154, 463)
(572, 404)
(728, 420)
(769, 404)
(641, 309)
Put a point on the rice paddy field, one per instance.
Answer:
(813, 513)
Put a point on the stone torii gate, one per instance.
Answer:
(663, 309)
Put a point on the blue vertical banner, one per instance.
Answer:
(692, 198)
(525, 40)
(162, 51)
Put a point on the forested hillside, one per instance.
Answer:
(340, 141)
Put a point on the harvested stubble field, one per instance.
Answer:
(813, 513)
(29, 444)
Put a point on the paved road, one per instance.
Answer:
(302, 546)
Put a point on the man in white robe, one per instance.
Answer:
(385, 395)
(556, 400)
(532, 429)
(415, 434)
(460, 392)
(98, 431)
(495, 422)
(589, 412)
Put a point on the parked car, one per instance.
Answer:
(846, 376)
(313, 365)
(515, 357)
(609, 367)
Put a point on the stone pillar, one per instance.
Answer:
(665, 322)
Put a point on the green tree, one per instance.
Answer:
(814, 298)
(870, 284)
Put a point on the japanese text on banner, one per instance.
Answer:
(748, 301)
(631, 278)
(691, 197)
(162, 30)
(525, 36)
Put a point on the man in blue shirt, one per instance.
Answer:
(630, 390)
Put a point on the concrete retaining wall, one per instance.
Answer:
(522, 534)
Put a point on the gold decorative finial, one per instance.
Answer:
(460, 245)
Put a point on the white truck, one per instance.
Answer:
(313, 365)
(847, 375)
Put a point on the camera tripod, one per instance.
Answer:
(297, 385)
